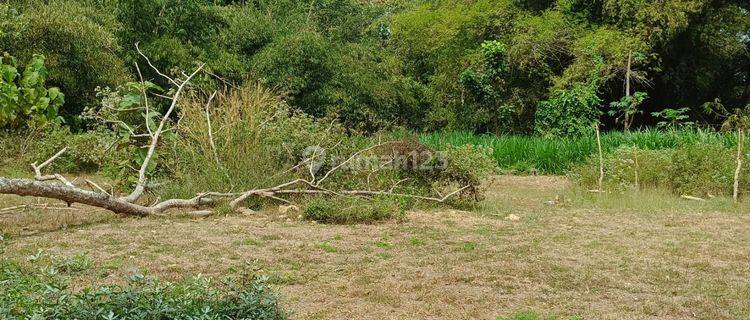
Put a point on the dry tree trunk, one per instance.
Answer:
(628, 118)
(740, 147)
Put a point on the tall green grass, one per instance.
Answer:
(558, 155)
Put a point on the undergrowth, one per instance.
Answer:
(703, 170)
(355, 210)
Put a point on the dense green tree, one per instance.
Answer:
(78, 42)
(481, 65)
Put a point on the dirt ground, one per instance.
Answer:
(536, 244)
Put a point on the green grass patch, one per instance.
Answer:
(469, 246)
(248, 242)
(556, 156)
(327, 247)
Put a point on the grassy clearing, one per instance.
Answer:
(569, 254)
(556, 156)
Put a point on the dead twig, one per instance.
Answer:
(38, 170)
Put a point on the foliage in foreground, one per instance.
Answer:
(31, 292)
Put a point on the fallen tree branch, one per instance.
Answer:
(687, 197)
(27, 187)
(64, 190)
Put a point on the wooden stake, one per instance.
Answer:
(740, 145)
(628, 118)
(601, 159)
(635, 160)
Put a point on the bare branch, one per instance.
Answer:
(137, 48)
(405, 195)
(38, 170)
(396, 184)
(141, 184)
(237, 201)
(210, 133)
(93, 184)
(353, 156)
(145, 98)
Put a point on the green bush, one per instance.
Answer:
(569, 112)
(466, 166)
(42, 293)
(86, 152)
(653, 168)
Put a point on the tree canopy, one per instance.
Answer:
(499, 66)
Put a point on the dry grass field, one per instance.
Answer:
(536, 244)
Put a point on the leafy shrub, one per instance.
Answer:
(24, 99)
(673, 118)
(86, 151)
(573, 111)
(353, 210)
(30, 293)
(73, 264)
(627, 108)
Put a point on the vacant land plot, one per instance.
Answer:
(536, 244)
